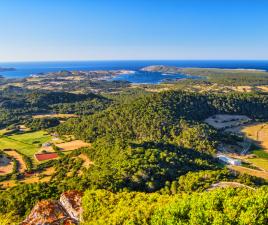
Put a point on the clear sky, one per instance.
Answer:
(133, 29)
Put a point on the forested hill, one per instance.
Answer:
(215, 75)
(18, 104)
(158, 115)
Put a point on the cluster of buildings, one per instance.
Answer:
(229, 160)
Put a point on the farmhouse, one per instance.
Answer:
(229, 160)
(47, 144)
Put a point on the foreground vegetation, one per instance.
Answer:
(231, 206)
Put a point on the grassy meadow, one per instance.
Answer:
(26, 143)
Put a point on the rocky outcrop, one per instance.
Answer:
(48, 212)
(72, 202)
(66, 211)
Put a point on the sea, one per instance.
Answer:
(25, 69)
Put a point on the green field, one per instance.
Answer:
(260, 153)
(27, 143)
(260, 162)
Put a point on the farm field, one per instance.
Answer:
(22, 166)
(6, 167)
(257, 132)
(26, 143)
(3, 131)
(259, 162)
(46, 156)
(68, 146)
(60, 116)
(249, 171)
(223, 121)
(34, 178)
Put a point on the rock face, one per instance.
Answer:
(72, 202)
(47, 212)
(67, 211)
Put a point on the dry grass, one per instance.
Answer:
(263, 88)
(73, 145)
(227, 185)
(259, 162)
(222, 121)
(87, 162)
(68, 146)
(257, 173)
(6, 169)
(60, 116)
(257, 132)
(49, 171)
(8, 184)
(242, 88)
(34, 178)
(18, 157)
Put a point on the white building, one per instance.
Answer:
(229, 160)
(47, 144)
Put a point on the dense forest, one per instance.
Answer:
(153, 158)
(158, 116)
(18, 104)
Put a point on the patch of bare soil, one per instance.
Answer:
(224, 121)
(6, 165)
(22, 166)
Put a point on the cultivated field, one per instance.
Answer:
(6, 165)
(257, 132)
(68, 146)
(225, 184)
(22, 166)
(224, 121)
(252, 172)
(46, 156)
(26, 143)
(259, 162)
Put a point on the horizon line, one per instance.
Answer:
(99, 60)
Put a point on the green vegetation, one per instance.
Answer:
(230, 77)
(157, 116)
(42, 123)
(17, 105)
(26, 143)
(260, 153)
(260, 162)
(153, 156)
(216, 207)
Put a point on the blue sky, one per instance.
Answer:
(133, 29)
